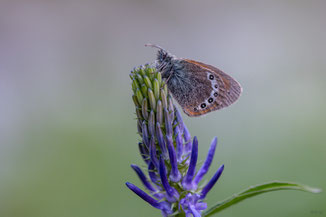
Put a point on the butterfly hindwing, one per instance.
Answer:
(189, 86)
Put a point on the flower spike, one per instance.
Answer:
(168, 150)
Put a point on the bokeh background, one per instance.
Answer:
(67, 127)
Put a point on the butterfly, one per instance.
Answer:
(199, 88)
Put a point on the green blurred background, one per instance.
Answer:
(67, 127)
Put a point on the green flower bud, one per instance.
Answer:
(156, 85)
(147, 82)
(144, 90)
(144, 109)
(135, 85)
(139, 114)
(148, 69)
(151, 98)
(140, 79)
(165, 87)
(158, 76)
(139, 96)
(139, 129)
(142, 71)
(163, 98)
(134, 98)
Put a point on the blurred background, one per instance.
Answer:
(67, 122)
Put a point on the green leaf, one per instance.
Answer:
(256, 190)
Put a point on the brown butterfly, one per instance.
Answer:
(198, 88)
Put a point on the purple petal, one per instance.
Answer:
(159, 112)
(175, 175)
(190, 205)
(143, 178)
(179, 119)
(168, 123)
(171, 108)
(166, 208)
(160, 139)
(152, 174)
(151, 123)
(139, 128)
(155, 181)
(152, 151)
(205, 167)
(201, 206)
(143, 152)
(212, 182)
(194, 212)
(171, 193)
(187, 181)
(145, 134)
(179, 143)
(143, 195)
(187, 138)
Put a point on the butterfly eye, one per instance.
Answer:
(203, 105)
(211, 77)
(216, 86)
(210, 100)
(215, 94)
(195, 109)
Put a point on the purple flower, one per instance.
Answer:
(192, 205)
(175, 175)
(172, 194)
(168, 150)
(212, 182)
(187, 180)
(204, 169)
(163, 206)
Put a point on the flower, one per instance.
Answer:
(168, 151)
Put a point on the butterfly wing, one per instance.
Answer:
(207, 88)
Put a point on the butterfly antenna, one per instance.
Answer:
(162, 56)
(155, 46)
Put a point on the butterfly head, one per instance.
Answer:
(163, 56)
